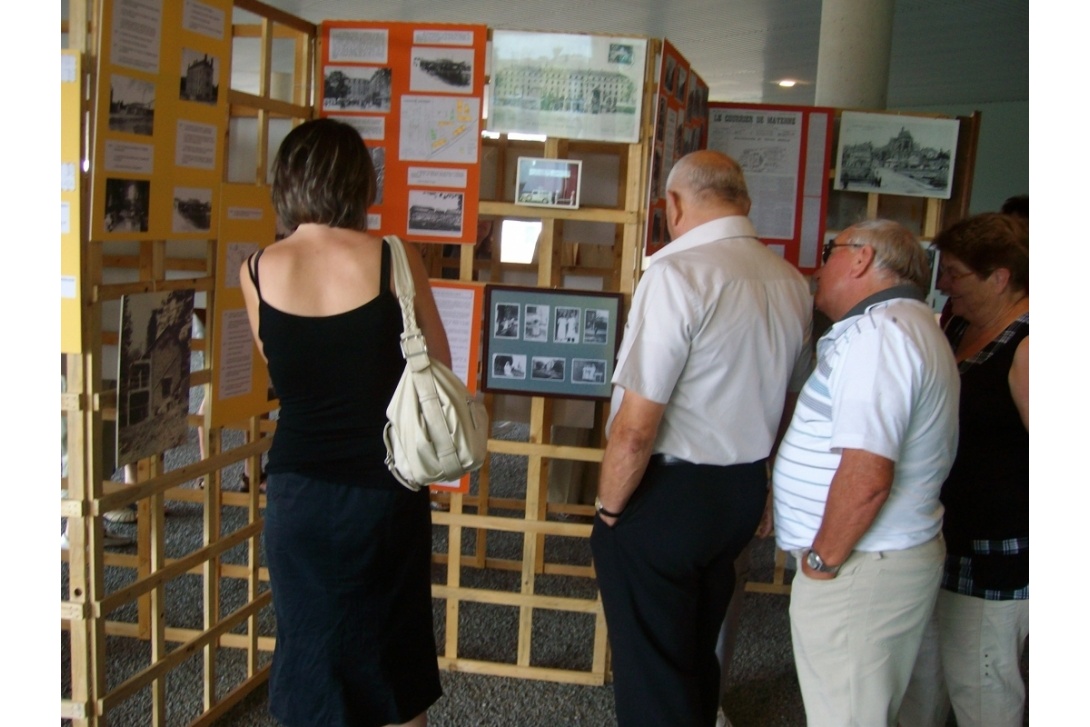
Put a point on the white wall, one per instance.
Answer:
(1002, 159)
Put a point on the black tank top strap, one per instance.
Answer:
(384, 275)
(251, 266)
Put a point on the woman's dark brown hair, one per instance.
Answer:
(990, 241)
(323, 174)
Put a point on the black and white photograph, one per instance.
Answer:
(588, 371)
(507, 321)
(132, 105)
(670, 77)
(536, 323)
(547, 368)
(509, 366)
(153, 373)
(548, 182)
(446, 70)
(567, 325)
(200, 80)
(682, 83)
(378, 158)
(660, 119)
(356, 88)
(192, 209)
(658, 222)
(906, 155)
(435, 213)
(595, 325)
(127, 202)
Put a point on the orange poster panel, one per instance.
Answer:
(241, 386)
(414, 92)
(681, 126)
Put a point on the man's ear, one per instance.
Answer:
(862, 260)
(674, 209)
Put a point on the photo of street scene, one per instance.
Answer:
(891, 154)
(356, 88)
(132, 105)
(192, 210)
(127, 205)
(435, 213)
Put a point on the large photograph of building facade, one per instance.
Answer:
(570, 86)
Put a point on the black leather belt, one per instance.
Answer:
(667, 460)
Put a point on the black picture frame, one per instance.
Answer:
(559, 343)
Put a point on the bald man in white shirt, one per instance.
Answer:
(717, 335)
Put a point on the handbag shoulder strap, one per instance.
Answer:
(413, 346)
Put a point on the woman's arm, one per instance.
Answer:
(249, 294)
(427, 314)
(1019, 380)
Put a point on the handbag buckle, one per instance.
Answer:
(413, 344)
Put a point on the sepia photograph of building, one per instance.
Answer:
(200, 77)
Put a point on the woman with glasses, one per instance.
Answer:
(982, 615)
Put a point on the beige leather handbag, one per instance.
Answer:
(437, 431)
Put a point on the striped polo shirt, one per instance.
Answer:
(885, 382)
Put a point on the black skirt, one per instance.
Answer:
(351, 583)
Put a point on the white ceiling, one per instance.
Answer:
(944, 52)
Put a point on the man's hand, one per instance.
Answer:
(766, 527)
(631, 438)
(609, 520)
(804, 567)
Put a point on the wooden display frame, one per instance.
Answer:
(610, 256)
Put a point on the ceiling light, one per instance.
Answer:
(786, 83)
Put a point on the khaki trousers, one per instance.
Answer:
(855, 637)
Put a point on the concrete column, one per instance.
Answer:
(853, 54)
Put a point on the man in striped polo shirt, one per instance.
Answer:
(857, 477)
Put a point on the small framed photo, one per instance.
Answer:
(548, 182)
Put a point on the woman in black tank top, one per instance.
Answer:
(348, 548)
(982, 615)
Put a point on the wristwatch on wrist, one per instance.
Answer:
(602, 511)
(816, 563)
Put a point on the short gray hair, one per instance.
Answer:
(896, 250)
(710, 173)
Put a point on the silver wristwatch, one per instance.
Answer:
(816, 563)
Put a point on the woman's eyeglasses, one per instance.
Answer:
(953, 276)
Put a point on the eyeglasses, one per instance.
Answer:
(831, 245)
(952, 276)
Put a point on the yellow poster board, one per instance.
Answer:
(161, 115)
(71, 298)
(240, 379)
